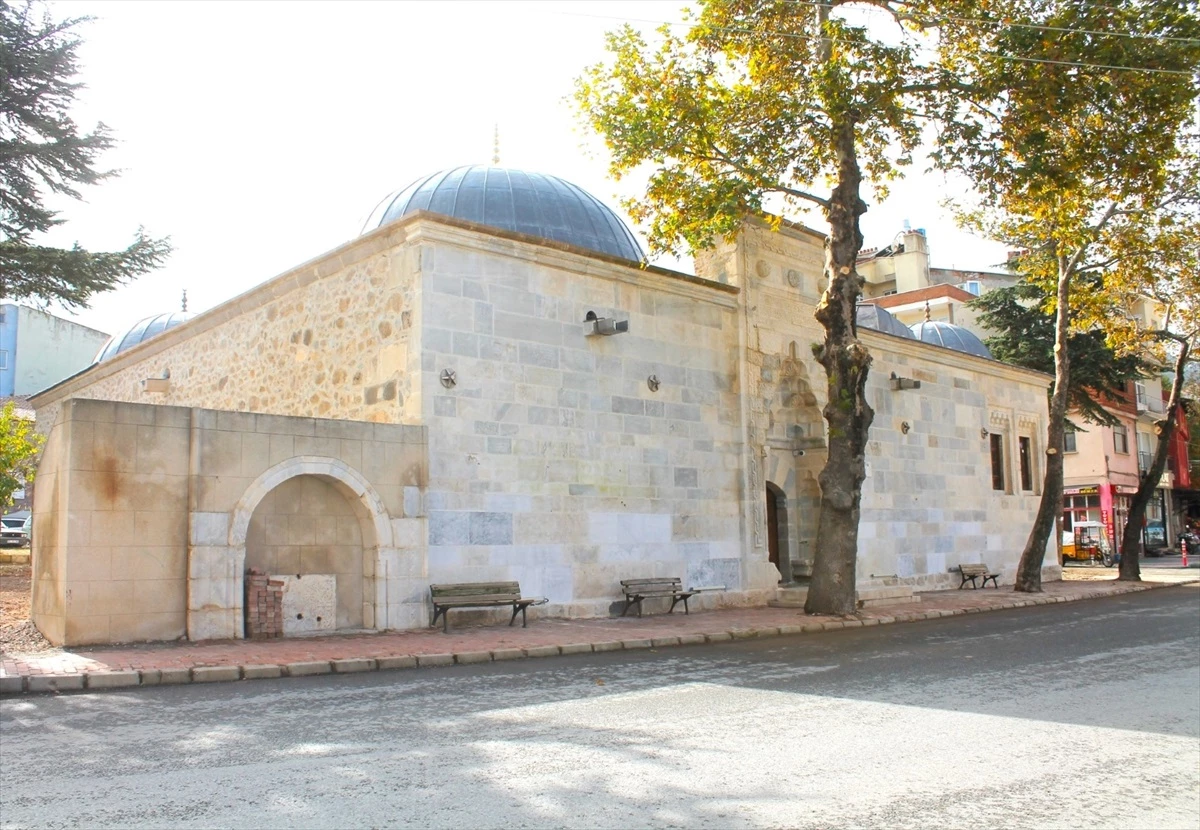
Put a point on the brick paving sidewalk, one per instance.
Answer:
(160, 663)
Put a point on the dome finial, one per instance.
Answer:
(184, 300)
(927, 315)
(496, 145)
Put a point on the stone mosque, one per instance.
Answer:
(490, 383)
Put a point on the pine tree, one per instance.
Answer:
(42, 151)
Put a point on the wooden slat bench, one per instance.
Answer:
(972, 572)
(637, 590)
(479, 595)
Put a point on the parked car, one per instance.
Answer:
(14, 529)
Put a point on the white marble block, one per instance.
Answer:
(309, 603)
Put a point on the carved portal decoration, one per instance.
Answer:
(756, 506)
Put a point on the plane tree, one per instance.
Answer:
(805, 105)
(1076, 156)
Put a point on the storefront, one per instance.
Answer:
(1109, 505)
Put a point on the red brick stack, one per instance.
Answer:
(264, 606)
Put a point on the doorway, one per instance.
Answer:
(778, 550)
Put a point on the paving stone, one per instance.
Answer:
(352, 665)
(216, 674)
(173, 676)
(542, 651)
(508, 654)
(406, 661)
(609, 645)
(112, 679)
(473, 657)
(576, 648)
(636, 644)
(664, 641)
(12, 684)
(261, 671)
(306, 669)
(54, 682)
(435, 660)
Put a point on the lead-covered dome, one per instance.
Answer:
(940, 333)
(871, 316)
(515, 200)
(141, 331)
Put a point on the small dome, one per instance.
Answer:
(514, 200)
(141, 331)
(950, 336)
(871, 316)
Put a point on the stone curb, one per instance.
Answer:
(128, 678)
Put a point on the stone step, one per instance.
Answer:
(789, 597)
(887, 595)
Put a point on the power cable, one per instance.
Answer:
(1047, 61)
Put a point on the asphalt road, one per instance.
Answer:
(1073, 715)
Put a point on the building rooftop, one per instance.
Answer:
(515, 200)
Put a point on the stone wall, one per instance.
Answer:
(334, 338)
(145, 518)
(555, 460)
(928, 503)
(111, 521)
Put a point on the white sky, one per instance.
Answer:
(258, 135)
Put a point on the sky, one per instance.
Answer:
(258, 135)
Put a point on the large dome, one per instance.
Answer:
(514, 200)
(871, 316)
(141, 331)
(950, 336)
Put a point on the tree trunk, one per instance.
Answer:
(1130, 567)
(846, 362)
(1029, 571)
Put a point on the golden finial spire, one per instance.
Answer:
(184, 299)
(496, 145)
(927, 316)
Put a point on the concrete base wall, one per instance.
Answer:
(145, 516)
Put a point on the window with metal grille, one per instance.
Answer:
(997, 461)
(1024, 445)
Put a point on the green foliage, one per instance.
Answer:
(1086, 149)
(42, 151)
(19, 448)
(1025, 337)
(745, 106)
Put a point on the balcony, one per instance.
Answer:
(1147, 400)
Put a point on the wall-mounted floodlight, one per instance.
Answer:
(899, 383)
(594, 325)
